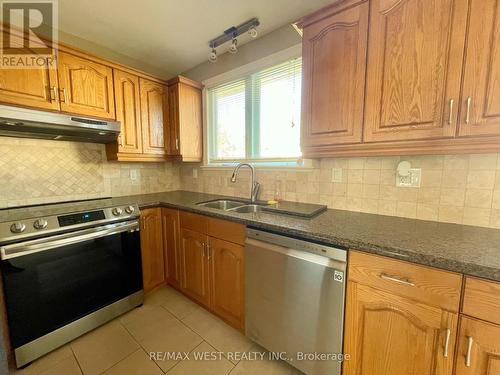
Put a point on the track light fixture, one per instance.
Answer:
(232, 34)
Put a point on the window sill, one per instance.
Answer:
(307, 165)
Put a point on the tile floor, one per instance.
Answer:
(167, 322)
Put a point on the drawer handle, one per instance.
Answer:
(396, 279)
(467, 114)
(450, 118)
(447, 343)
(470, 341)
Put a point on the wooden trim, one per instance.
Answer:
(421, 147)
(327, 11)
(184, 80)
(121, 156)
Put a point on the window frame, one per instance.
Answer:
(245, 72)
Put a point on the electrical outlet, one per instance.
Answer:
(133, 174)
(336, 174)
(412, 180)
(195, 172)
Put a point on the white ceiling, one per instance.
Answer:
(172, 35)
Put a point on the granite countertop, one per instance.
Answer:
(465, 249)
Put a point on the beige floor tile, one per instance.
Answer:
(179, 305)
(159, 296)
(217, 333)
(68, 366)
(46, 362)
(216, 365)
(102, 348)
(138, 363)
(263, 366)
(146, 321)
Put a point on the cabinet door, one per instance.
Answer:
(334, 64)
(386, 335)
(195, 278)
(29, 87)
(170, 221)
(128, 112)
(481, 84)
(153, 111)
(86, 87)
(483, 338)
(227, 276)
(153, 273)
(415, 52)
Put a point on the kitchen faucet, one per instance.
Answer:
(254, 192)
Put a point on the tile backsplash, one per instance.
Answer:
(454, 188)
(43, 171)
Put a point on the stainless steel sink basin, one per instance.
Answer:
(222, 204)
(248, 208)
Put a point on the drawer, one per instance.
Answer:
(424, 284)
(198, 223)
(227, 230)
(482, 299)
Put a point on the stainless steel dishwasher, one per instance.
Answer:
(295, 294)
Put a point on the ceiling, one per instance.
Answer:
(172, 35)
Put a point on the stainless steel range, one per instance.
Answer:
(66, 269)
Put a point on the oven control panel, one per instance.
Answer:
(81, 217)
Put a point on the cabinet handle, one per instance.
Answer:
(470, 341)
(53, 93)
(450, 118)
(467, 113)
(396, 279)
(447, 342)
(209, 252)
(64, 96)
(144, 224)
(177, 143)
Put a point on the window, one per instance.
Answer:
(257, 118)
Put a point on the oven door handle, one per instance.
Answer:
(44, 244)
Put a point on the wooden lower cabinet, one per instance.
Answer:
(478, 348)
(153, 273)
(194, 265)
(227, 280)
(171, 245)
(386, 334)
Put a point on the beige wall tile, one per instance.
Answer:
(482, 179)
(476, 216)
(427, 211)
(456, 162)
(450, 214)
(452, 197)
(483, 162)
(407, 209)
(479, 198)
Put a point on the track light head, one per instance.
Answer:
(234, 46)
(252, 32)
(212, 56)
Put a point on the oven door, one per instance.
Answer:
(53, 281)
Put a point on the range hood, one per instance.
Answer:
(29, 123)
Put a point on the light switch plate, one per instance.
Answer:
(412, 180)
(336, 174)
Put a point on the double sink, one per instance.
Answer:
(233, 205)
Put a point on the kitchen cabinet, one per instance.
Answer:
(195, 267)
(227, 282)
(170, 222)
(154, 116)
(480, 105)
(400, 318)
(478, 349)
(153, 273)
(128, 112)
(415, 52)
(334, 65)
(85, 86)
(185, 120)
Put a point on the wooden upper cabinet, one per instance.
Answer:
(478, 348)
(387, 334)
(85, 87)
(480, 106)
(170, 221)
(154, 116)
(227, 279)
(153, 273)
(415, 53)
(195, 268)
(128, 112)
(334, 64)
(185, 137)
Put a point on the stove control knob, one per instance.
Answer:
(129, 209)
(117, 211)
(17, 227)
(40, 224)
